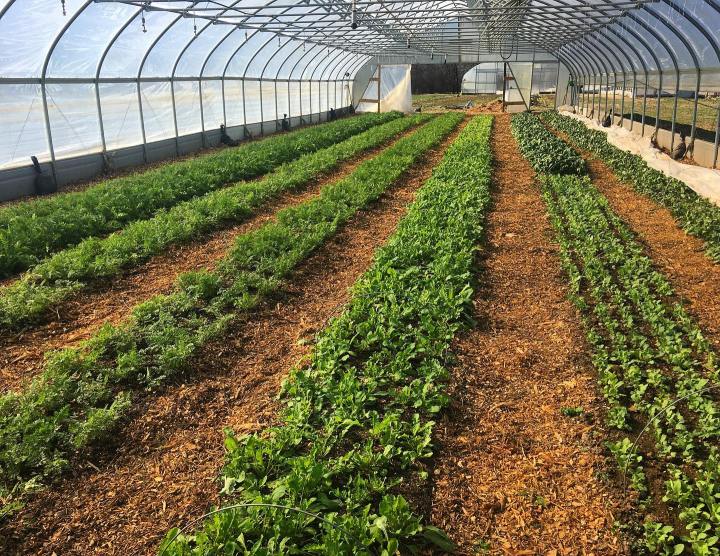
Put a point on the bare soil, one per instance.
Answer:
(163, 468)
(513, 475)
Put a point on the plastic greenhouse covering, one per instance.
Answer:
(106, 75)
(83, 76)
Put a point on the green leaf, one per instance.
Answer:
(439, 539)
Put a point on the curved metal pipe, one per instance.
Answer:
(43, 91)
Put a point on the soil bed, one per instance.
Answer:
(22, 354)
(513, 475)
(163, 469)
(678, 255)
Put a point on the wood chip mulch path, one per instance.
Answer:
(111, 300)
(513, 475)
(678, 255)
(162, 470)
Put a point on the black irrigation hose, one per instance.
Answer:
(260, 505)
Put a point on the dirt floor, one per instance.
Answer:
(451, 101)
(679, 256)
(162, 470)
(22, 355)
(513, 475)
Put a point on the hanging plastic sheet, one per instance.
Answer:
(483, 79)
(395, 90)
(519, 86)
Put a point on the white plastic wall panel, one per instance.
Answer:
(121, 114)
(294, 104)
(234, 102)
(252, 102)
(73, 119)
(305, 93)
(268, 100)
(212, 104)
(157, 110)
(187, 104)
(324, 100)
(23, 128)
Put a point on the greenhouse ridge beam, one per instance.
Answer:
(418, 22)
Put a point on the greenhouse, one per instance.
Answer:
(360, 277)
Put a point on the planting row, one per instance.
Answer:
(358, 419)
(68, 271)
(83, 392)
(655, 368)
(546, 153)
(30, 231)
(695, 214)
(655, 365)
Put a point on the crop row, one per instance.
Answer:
(546, 153)
(695, 214)
(83, 392)
(31, 230)
(56, 278)
(358, 419)
(653, 362)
